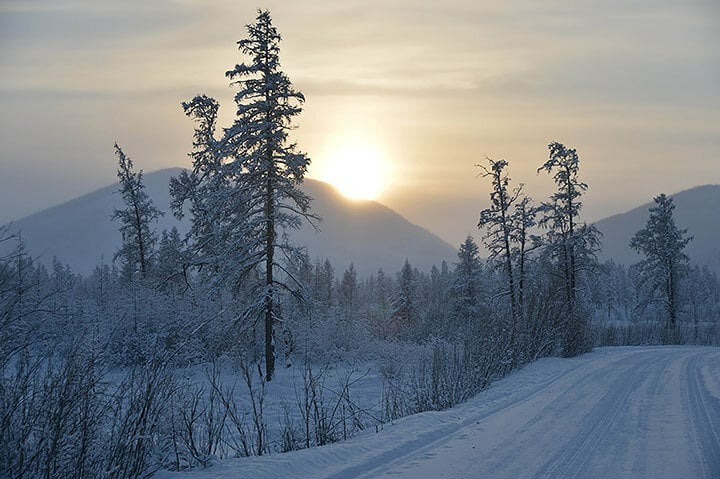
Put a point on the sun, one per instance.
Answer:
(355, 167)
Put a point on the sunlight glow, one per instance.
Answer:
(355, 167)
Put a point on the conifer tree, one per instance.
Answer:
(324, 283)
(662, 243)
(245, 185)
(348, 289)
(465, 288)
(404, 304)
(138, 239)
(170, 261)
(216, 200)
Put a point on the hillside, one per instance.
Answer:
(697, 209)
(371, 235)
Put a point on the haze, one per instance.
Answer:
(433, 87)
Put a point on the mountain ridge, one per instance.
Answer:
(696, 209)
(364, 232)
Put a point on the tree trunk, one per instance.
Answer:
(269, 300)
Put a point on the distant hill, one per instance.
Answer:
(697, 209)
(80, 233)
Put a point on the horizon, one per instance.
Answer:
(626, 210)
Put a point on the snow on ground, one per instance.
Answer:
(285, 392)
(617, 412)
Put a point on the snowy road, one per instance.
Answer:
(618, 412)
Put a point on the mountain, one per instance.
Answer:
(697, 209)
(367, 233)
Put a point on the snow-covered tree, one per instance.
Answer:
(404, 305)
(571, 243)
(507, 222)
(662, 243)
(348, 289)
(244, 187)
(324, 284)
(170, 261)
(497, 220)
(434, 300)
(465, 289)
(524, 218)
(270, 166)
(216, 200)
(138, 239)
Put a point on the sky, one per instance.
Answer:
(425, 89)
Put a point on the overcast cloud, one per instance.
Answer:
(633, 85)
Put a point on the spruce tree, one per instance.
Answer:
(524, 219)
(348, 289)
(245, 185)
(465, 289)
(662, 243)
(404, 307)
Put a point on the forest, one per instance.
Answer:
(162, 358)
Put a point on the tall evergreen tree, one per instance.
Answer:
(215, 197)
(465, 288)
(324, 283)
(251, 175)
(662, 243)
(404, 307)
(348, 289)
(138, 239)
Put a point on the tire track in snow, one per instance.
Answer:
(572, 459)
(545, 429)
(704, 419)
(645, 415)
(399, 454)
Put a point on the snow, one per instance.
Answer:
(616, 412)
(284, 392)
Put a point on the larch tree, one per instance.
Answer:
(138, 239)
(507, 237)
(497, 220)
(524, 219)
(570, 242)
(506, 223)
(246, 183)
(662, 243)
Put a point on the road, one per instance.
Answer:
(647, 413)
(650, 412)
